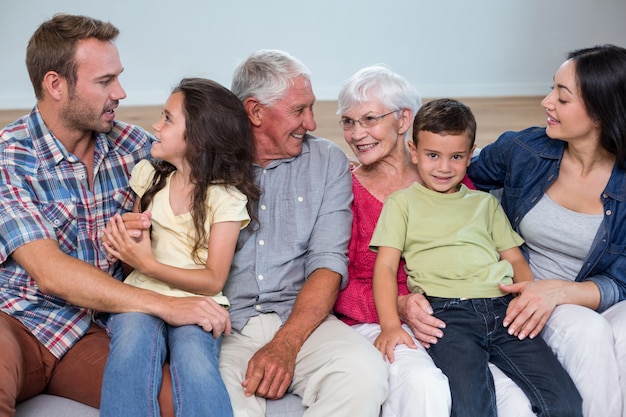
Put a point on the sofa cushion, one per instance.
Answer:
(52, 406)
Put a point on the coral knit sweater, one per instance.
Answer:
(355, 303)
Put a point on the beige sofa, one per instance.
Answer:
(51, 406)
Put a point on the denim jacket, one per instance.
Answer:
(524, 164)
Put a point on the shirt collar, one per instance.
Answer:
(50, 150)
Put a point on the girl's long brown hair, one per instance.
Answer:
(219, 150)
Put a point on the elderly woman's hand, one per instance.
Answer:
(415, 311)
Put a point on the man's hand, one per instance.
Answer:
(270, 370)
(415, 311)
(203, 311)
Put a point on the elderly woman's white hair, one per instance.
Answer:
(266, 75)
(378, 83)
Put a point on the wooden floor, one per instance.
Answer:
(493, 116)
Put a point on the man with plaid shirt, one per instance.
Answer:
(64, 172)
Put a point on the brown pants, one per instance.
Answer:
(27, 368)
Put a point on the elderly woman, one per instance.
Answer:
(564, 190)
(377, 108)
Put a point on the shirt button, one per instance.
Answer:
(608, 212)
(258, 306)
(260, 277)
(300, 199)
(261, 242)
(263, 206)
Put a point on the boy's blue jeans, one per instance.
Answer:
(474, 335)
(140, 344)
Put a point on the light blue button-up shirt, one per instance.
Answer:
(305, 222)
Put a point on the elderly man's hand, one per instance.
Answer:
(270, 370)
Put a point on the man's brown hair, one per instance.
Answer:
(53, 45)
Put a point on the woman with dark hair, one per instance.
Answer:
(564, 191)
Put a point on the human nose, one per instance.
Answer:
(157, 125)
(309, 121)
(547, 102)
(444, 165)
(118, 92)
(358, 131)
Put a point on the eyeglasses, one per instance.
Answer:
(365, 121)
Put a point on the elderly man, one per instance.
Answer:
(290, 267)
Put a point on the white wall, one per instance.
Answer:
(455, 48)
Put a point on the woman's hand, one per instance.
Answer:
(530, 310)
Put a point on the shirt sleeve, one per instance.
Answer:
(24, 219)
(391, 228)
(504, 237)
(227, 204)
(141, 177)
(328, 243)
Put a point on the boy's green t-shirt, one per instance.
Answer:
(450, 241)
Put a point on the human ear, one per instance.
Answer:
(53, 85)
(406, 120)
(255, 110)
(412, 151)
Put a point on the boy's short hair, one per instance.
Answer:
(445, 116)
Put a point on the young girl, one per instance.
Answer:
(198, 190)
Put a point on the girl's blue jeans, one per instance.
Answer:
(140, 344)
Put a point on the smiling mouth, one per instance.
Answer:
(552, 119)
(366, 147)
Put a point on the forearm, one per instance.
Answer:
(80, 283)
(313, 304)
(584, 293)
(386, 298)
(198, 281)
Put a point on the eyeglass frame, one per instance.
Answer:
(374, 120)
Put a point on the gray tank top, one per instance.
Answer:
(558, 239)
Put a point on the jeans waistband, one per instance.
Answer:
(439, 299)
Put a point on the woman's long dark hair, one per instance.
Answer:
(220, 150)
(601, 77)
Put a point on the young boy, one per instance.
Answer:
(459, 246)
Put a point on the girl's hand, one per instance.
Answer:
(388, 339)
(119, 244)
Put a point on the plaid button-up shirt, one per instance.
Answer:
(44, 194)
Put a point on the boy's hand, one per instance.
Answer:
(388, 339)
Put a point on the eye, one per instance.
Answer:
(347, 123)
(431, 155)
